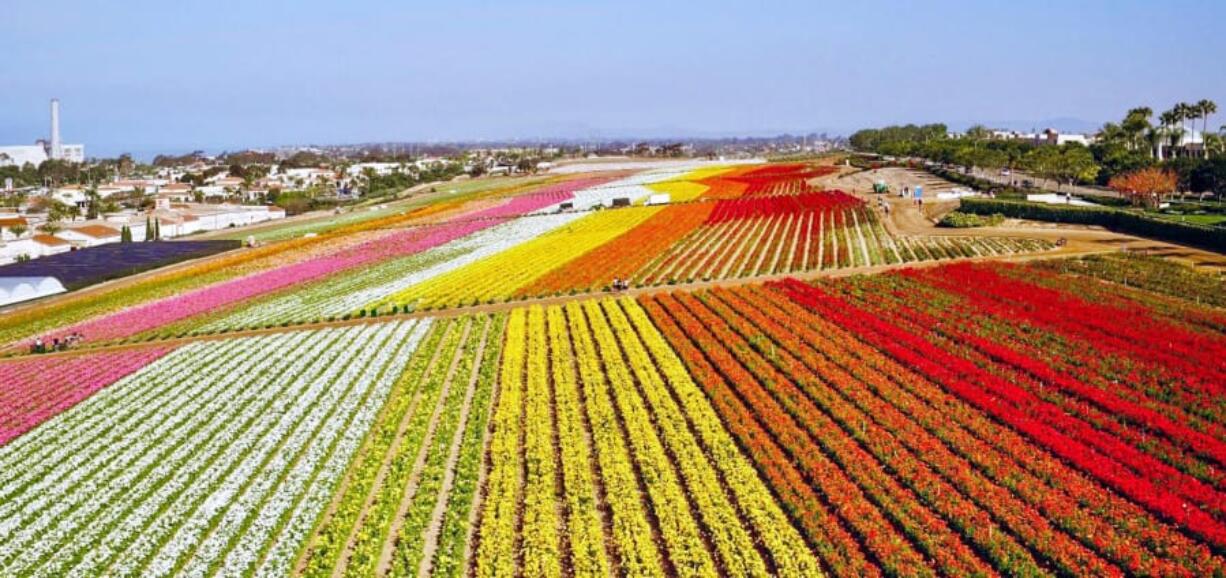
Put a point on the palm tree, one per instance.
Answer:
(1185, 112)
(1135, 124)
(1166, 128)
(1111, 132)
(1206, 108)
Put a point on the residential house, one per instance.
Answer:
(6, 227)
(90, 235)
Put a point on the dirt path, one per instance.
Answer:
(453, 455)
(907, 219)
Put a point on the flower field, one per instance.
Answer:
(594, 388)
(375, 400)
(509, 243)
(215, 459)
(405, 504)
(35, 390)
(966, 419)
(501, 275)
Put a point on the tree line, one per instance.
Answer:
(1134, 143)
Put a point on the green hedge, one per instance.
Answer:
(961, 220)
(1118, 220)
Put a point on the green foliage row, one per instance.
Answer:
(1148, 272)
(960, 220)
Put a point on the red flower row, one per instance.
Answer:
(998, 398)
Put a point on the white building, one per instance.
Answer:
(380, 169)
(90, 235)
(1052, 136)
(71, 195)
(7, 222)
(173, 220)
(179, 220)
(176, 192)
(21, 155)
(33, 246)
(301, 178)
(1049, 136)
(41, 151)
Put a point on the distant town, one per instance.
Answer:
(56, 199)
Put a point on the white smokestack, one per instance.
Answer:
(57, 152)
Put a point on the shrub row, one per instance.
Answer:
(961, 220)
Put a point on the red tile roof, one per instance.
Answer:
(96, 231)
(49, 240)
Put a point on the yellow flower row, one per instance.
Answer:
(496, 546)
(678, 525)
(501, 275)
(684, 187)
(732, 540)
(588, 556)
(592, 389)
(540, 515)
(631, 529)
(785, 544)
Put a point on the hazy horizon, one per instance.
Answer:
(146, 77)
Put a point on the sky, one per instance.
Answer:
(148, 76)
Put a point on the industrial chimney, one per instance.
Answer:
(56, 152)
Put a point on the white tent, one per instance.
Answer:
(18, 289)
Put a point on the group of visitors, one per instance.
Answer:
(620, 284)
(883, 205)
(56, 344)
(916, 198)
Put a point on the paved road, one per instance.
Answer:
(1042, 185)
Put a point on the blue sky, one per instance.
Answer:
(141, 75)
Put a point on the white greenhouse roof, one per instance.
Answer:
(18, 289)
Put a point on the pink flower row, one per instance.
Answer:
(400, 243)
(537, 200)
(34, 390)
(155, 314)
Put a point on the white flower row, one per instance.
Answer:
(217, 457)
(174, 484)
(632, 187)
(352, 291)
(316, 478)
(193, 424)
(84, 427)
(50, 478)
(295, 417)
